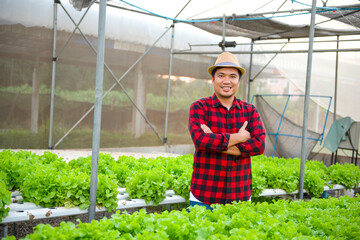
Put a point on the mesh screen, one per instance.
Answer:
(288, 146)
(26, 87)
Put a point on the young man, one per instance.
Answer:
(226, 132)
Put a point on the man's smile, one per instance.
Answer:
(226, 88)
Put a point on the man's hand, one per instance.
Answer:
(205, 128)
(233, 150)
(244, 134)
(241, 136)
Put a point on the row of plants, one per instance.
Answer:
(5, 199)
(281, 173)
(5, 194)
(333, 218)
(48, 181)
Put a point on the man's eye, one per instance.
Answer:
(220, 75)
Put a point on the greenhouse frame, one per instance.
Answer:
(259, 28)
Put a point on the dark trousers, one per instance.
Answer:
(193, 203)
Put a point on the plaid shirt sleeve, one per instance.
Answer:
(205, 141)
(255, 145)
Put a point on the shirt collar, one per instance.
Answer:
(217, 103)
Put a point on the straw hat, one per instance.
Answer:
(226, 59)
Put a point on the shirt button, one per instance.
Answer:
(229, 168)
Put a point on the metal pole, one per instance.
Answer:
(168, 84)
(223, 33)
(306, 103)
(267, 52)
(170, 71)
(336, 77)
(181, 9)
(277, 43)
(250, 69)
(97, 110)
(53, 76)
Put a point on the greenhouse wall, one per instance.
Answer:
(26, 30)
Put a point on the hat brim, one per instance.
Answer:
(228, 64)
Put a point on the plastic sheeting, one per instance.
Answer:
(337, 133)
(26, 37)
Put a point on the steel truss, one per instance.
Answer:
(101, 63)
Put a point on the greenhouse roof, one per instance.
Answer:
(261, 26)
(351, 17)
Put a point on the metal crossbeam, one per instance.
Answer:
(117, 83)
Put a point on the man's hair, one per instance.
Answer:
(215, 69)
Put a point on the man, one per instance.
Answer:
(226, 132)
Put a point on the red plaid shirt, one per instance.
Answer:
(219, 177)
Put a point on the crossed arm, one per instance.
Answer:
(241, 136)
(238, 143)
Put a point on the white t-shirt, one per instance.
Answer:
(193, 198)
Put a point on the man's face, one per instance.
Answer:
(226, 82)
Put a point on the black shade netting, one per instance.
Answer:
(288, 141)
